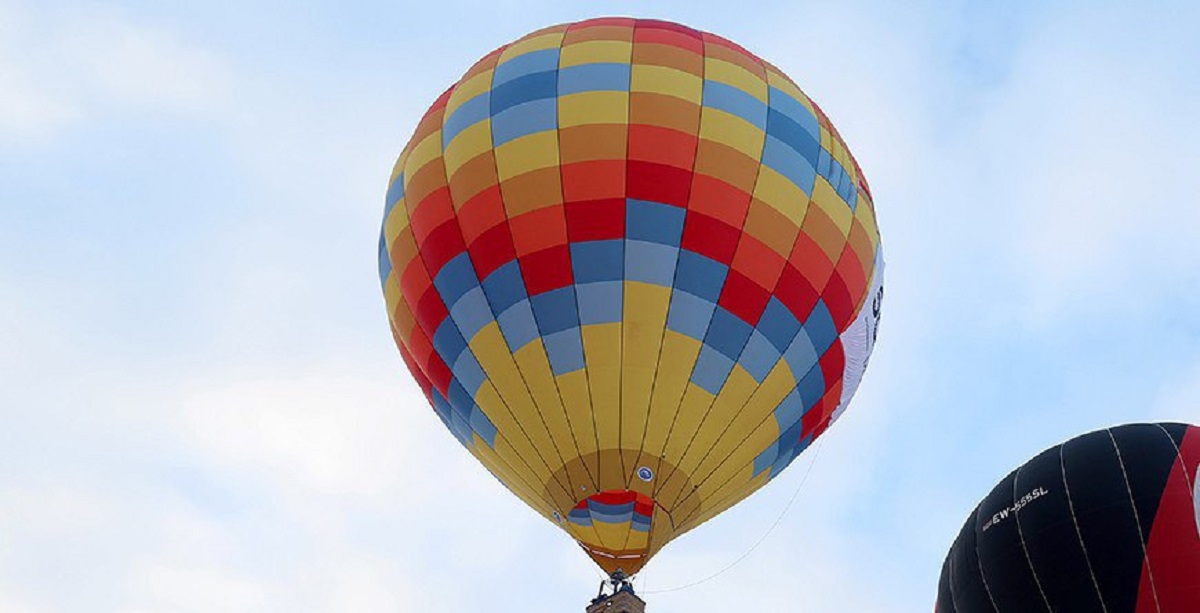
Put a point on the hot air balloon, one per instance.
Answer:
(1107, 521)
(635, 270)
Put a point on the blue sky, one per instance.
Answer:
(202, 409)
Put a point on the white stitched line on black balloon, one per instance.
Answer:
(953, 596)
(1136, 520)
(953, 582)
(1194, 489)
(1024, 548)
(979, 561)
(1075, 522)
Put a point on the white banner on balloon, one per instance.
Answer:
(859, 339)
(1196, 497)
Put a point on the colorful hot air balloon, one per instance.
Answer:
(635, 270)
(1108, 521)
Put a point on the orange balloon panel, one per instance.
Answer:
(635, 270)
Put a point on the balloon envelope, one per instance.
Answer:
(636, 272)
(1107, 521)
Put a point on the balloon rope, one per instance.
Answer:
(778, 520)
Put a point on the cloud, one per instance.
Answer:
(28, 110)
(140, 65)
(173, 588)
(361, 586)
(12, 605)
(1086, 155)
(284, 462)
(1178, 396)
(54, 510)
(62, 67)
(332, 436)
(29, 106)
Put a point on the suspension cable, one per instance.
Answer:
(778, 520)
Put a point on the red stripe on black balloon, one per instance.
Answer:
(1173, 548)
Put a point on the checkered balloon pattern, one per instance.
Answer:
(636, 272)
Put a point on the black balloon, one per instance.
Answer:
(1107, 521)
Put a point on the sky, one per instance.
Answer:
(201, 408)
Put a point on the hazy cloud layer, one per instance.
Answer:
(203, 410)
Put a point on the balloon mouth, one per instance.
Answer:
(626, 514)
(613, 528)
(622, 470)
(594, 551)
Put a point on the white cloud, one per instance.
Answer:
(284, 466)
(333, 436)
(1088, 157)
(165, 587)
(26, 108)
(29, 105)
(140, 65)
(10, 604)
(368, 586)
(60, 67)
(1178, 397)
(53, 510)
